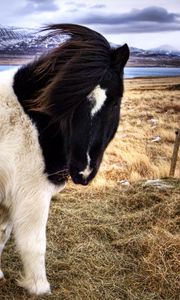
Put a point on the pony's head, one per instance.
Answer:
(94, 124)
(79, 86)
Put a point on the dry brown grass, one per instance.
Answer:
(150, 110)
(108, 241)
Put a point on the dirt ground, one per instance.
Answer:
(119, 238)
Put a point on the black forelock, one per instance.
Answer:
(76, 67)
(67, 74)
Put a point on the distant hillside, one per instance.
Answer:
(157, 57)
(18, 43)
(24, 41)
(166, 49)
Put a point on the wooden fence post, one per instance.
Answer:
(175, 153)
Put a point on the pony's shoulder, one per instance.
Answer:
(8, 76)
(6, 87)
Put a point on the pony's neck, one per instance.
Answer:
(26, 86)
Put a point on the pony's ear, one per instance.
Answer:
(119, 57)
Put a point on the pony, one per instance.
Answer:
(58, 113)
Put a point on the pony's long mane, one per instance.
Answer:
(71, 71)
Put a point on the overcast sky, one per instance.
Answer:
(140, 23)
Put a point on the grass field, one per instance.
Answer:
(144, 142)
(119, 238)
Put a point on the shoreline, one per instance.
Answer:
(8, 60)
(146, 78)
(18, 61)
(152, 77)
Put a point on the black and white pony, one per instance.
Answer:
(57, 116)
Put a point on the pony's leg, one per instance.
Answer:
(5, 231)
(29, 224)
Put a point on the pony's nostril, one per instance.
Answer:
(85, 183)
(77, 179)
(86, 172)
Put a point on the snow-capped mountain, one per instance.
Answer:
(166, 49)
(156, 51)
(14, 41)
(19, 41)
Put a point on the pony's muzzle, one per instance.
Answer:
(81, 177)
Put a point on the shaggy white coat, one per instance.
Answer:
(25, 191)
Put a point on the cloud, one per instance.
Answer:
(76, 4)
(33, 6)
(150, 19)
(140, 28)
(72, 10)
(98, 6)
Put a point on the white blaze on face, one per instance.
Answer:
(87, 171)
(97, 97)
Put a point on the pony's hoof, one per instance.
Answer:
(2, 279)
(36, 286)
(40, 289)
(1, 275)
